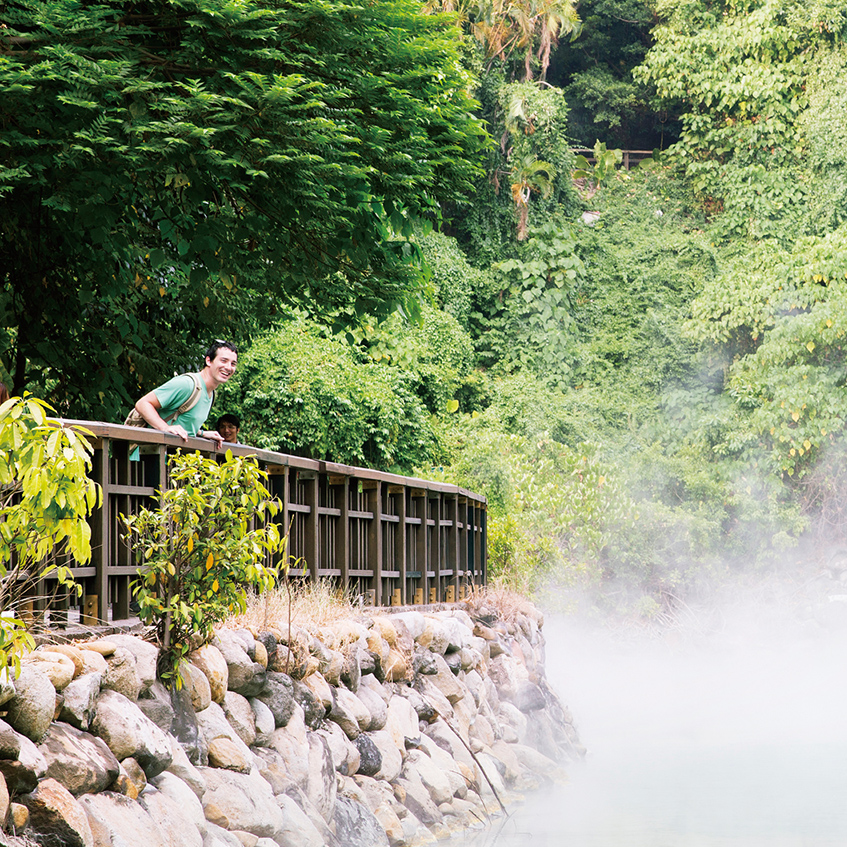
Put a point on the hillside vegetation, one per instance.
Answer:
(652, 396)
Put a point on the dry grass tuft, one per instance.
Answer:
(508, 604)
(311, 606)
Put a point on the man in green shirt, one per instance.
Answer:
(161, 407)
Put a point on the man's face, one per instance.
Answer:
(223, 365)
(229, 431)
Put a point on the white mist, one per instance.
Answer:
(730, 738)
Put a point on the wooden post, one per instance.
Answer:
(454, 558)
(451, 593)
(374, 497)
(421, 553)
(419, 594)
(342, 534)
(400, 538)
(310, 542)
(90, 616)
(434, 562)
(100, 527)
(395, 598)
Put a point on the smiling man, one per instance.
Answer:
(182, 404)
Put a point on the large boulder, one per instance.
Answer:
(297, 829)
(350, 713)
(175, 808)
(278, 695)
(390, 755)
(119, 821)
(31, 710)
(57, 667)
(197, 685)
(186, 728)
(122, 674)
(146, 656)
(318, 685)
(314, 710)
(356, 825)
(241, 718)
(401, 721)
(345, 753)
(79, 761)
(93, 662)
(155, 702)
(211, 662)
(79, 699)
(21, 762)
(181, 767)
(432, 776)
(245, 676)
(446, 682)
(321, 786)
(292, 743)
(241, 801)
(226, 749)
(417, 799)
(56, 817)
(370, 759)
(375, 705)
(128, 732)
(263, 721)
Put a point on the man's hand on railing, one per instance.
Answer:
(176, 429)
(212, 436)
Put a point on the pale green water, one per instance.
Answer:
(734, 741)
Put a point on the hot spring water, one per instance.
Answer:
(735, 739)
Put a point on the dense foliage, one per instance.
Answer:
(169, 168)
(301, 392)
(643, 370)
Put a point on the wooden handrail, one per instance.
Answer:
(630, 157)
(391, 539)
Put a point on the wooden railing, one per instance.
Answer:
(630, 157)
(392, 540)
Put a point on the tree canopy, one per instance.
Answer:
(165, 164)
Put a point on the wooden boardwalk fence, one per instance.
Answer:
(392, 540)
(629, 160)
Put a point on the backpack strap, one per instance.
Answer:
(193, 399)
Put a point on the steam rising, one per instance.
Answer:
(730, 731)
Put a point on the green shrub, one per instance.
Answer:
(45, 500)
(198, 554)
(300, 392)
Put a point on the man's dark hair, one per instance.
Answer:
(230, 419)
(216, 345)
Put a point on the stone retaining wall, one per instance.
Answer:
(395, 729)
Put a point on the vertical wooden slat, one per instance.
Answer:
(401, 542)
(342, 536)
(434, 511)
(464, 536)
(421, 506)
(311, 544)
(374, 500)
(100, 527)
(453, 553)
(286, 512)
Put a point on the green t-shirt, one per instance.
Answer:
(174, 393)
